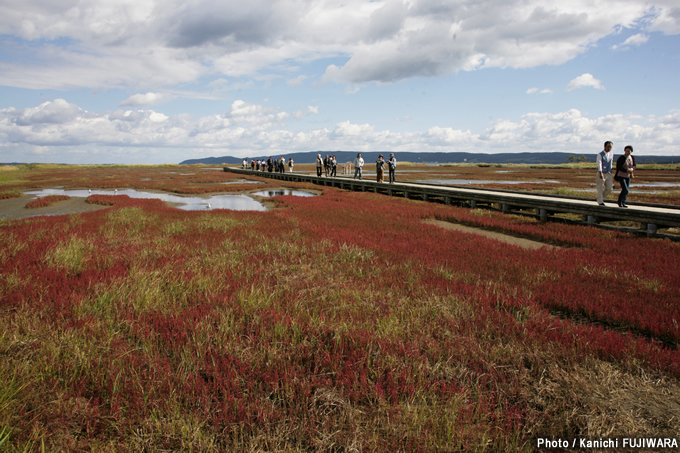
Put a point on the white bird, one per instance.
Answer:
(208, 207)
(115, 191)
(90, 190)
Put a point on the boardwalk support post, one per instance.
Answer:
(651, 230)
(447, 200)
(542, 214)
(473, 204)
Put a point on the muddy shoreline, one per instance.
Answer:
(15, 208)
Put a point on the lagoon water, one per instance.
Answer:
(276, 193)
(243, 181)
(188, 203)
(480, 181)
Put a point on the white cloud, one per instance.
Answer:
(585, 80)
(152, 45)
(297, 81)
(635, 40)
(667, 18)
(143, 99)
(539, 91)
(311, 110)
(61, 132)
(56, 112)
(222, 85)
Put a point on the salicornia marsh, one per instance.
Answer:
(341, 322)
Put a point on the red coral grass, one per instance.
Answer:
(334, 322)
(8, 195)
(44, 202)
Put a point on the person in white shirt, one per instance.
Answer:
(358, 166)
(391, 167)
(604, 172)
(319, 165)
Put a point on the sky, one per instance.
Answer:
(151, 82)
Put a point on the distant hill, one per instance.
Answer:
(433, 158)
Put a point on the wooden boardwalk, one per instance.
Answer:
(650, 216)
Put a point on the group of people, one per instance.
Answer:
(270, 165)
(380, 167)
(329, 166)
(607, 173)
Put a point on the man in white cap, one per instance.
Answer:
(391, 166)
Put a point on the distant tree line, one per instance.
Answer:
(581, 158)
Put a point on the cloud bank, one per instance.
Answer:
(144, 45)
(248, 129)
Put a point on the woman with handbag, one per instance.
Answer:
(625, 168)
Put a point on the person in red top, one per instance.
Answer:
(625, 166)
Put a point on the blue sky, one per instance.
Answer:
(104, 81)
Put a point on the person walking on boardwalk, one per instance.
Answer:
(358, 166)
(392, 166)
(625, 166)
(334, 167)
(327, 165)
(604, 172)
(290, 165)
(270, 165)
(319, 165)
(380, 168)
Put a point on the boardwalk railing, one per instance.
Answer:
(650, 216)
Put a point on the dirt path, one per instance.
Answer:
(15, 208)
(526, 243)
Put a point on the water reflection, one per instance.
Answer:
(243, 181)
(187, 203)
(480, 181)
(656, 184)
(276, 193)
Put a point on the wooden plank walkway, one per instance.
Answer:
(650, 216)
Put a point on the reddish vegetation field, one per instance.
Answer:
(46, 201)
(170, 178)
(341, 322)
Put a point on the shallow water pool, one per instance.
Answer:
(188, 203)
(277, 192)
(480, 181)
